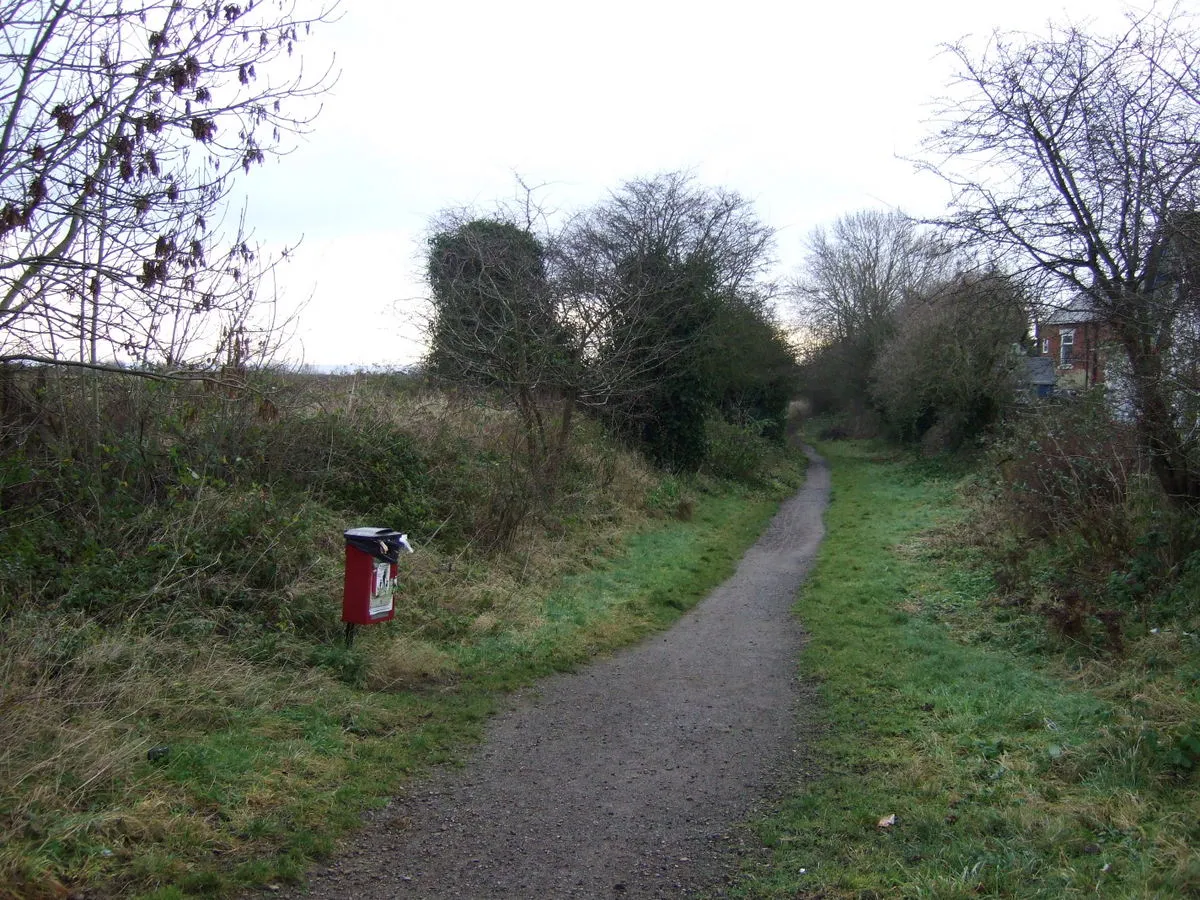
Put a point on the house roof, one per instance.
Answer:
(1078, 309)
(1040, 370)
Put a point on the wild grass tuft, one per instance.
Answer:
(406, 663)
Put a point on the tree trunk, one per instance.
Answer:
(1156, 427)
(525, 406)
(559, 452)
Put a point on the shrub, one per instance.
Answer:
(1085, 528)
(173, 495)
(949, 370)
(670, 497)
(1067, 468)
(737, 451)
(363, 464)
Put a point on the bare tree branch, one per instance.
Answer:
(125, 127)
(1078, 155)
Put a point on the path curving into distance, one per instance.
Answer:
(625, 778)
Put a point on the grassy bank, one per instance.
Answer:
(180, 714)
(967, 752)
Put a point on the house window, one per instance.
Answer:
(1066, 347)
(1045, 346)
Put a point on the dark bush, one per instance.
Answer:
(1067, 467)
(949, 371)
(738, 451)
(1094, 537)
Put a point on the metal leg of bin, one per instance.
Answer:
(349, 635)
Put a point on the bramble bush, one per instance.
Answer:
(170, 570)
(1090, 542)
(1066, 467)
(946, 393)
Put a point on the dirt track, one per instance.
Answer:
(628, 778)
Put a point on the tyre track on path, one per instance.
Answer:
(626, 778)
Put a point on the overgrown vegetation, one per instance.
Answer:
(1092, 185)
(971, 746)
(1010, 662)
(1092, 496)
(910, 336)
(951, 370)
(180, 713)
(1078, 528)
(650, 309)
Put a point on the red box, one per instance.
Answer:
(368, 592)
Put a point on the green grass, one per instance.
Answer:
(179, 712)
(1009, 774)
(662, 573)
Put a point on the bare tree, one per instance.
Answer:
(1076, 154)
(124, 127)
(858, 273)
(855, 279)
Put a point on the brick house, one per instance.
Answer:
(1075, 338)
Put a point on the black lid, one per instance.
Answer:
(382, 543)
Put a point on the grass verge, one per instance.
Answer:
(239, 757)
(959, 758)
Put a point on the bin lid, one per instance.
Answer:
(382, 543)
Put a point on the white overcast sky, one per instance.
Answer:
(801, 107)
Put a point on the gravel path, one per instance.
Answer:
(628, 778)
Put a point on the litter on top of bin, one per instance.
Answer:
(382, 543)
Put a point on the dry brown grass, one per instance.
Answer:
(81, 706)
(408, 662)
(472, 594)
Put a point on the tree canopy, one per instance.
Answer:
(955, 361)
(651, 270)
(634, 309)
(850, 293)
(494, 320)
